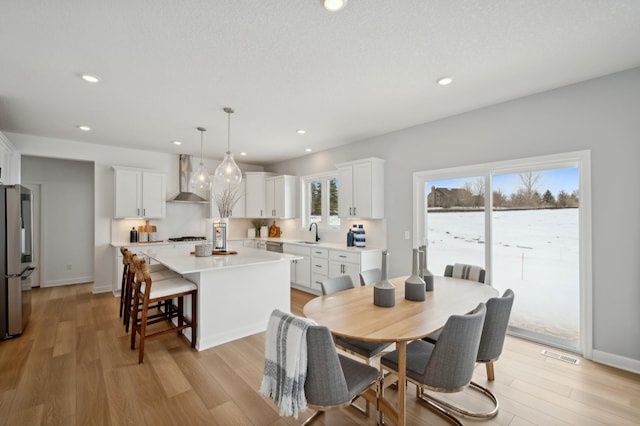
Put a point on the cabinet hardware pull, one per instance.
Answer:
(342, 256)
(318, 266)
(354, 211)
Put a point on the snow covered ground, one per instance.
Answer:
(535, 253)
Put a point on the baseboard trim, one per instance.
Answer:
(77, 280)
(617, 361)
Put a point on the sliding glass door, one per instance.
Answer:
(531, 235)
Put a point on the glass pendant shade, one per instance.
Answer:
(228, 171)
(201, 178)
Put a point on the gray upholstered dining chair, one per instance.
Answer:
(366, 350)
(334, 381)
(433, 367)
(336, 284)
(464, 271)
(492, 339)
(370, 276)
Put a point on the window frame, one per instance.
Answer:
(305, 207)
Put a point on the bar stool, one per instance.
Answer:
(157, 272)
(148, 293)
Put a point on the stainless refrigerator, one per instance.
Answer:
(16, 258)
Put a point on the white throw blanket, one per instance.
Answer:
(467, 272)
(285, 362)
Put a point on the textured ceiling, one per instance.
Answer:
(169, 66)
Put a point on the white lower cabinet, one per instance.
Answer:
(347, 262)
(319, 268)
(320, 263)
(300, 269)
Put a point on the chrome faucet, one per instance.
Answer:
(316, 224)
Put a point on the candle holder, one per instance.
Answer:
(220, 236)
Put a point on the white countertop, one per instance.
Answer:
(181, 261)
(151, 243)
(320, 244)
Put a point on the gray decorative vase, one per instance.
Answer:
(384, 293)
(427, 276)
(414, 286)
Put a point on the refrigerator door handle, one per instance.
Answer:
(27, 272)
(24, 274)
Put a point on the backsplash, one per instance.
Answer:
(190, 219)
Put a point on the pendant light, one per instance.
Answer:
(228, 170)
(201, 179)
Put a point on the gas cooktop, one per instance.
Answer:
(187, 238)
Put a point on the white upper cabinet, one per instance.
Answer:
(282, 197)
(139, 193)
(255, 198)
(361, 189)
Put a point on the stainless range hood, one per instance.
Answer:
(184, 173)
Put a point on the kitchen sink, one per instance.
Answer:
(307, 242)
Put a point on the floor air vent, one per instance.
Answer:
(561, 357)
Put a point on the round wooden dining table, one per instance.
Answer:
(351, 313)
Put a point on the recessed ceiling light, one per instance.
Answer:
(301, 131)
(90, 78)
(444, 81)
(176, 142)
(308, 150)
(243, 153)
(334, 5)
(84, 128)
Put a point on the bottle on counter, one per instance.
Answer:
(360, 237)
(350, 239)
(133, 235)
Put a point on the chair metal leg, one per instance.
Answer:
(443, 405)
(435, 406)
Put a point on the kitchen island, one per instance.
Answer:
(236, 292)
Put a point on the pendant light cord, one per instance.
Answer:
(202, 130)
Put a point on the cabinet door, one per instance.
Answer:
(337, 268)
(345, 191)
(303, 272)
(255, 196)
(361, 190)
(270, 195)
(128, 193)
(153, 195)
(279, 198)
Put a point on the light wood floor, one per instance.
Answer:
(73, 366)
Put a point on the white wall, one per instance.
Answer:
(601, 115)
(66, 203)
(181, 219)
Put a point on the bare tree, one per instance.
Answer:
(478, 187)
(529, 181)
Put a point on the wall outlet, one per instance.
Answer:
(69, 267)
(407, 235)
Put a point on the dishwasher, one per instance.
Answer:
(274, 246)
